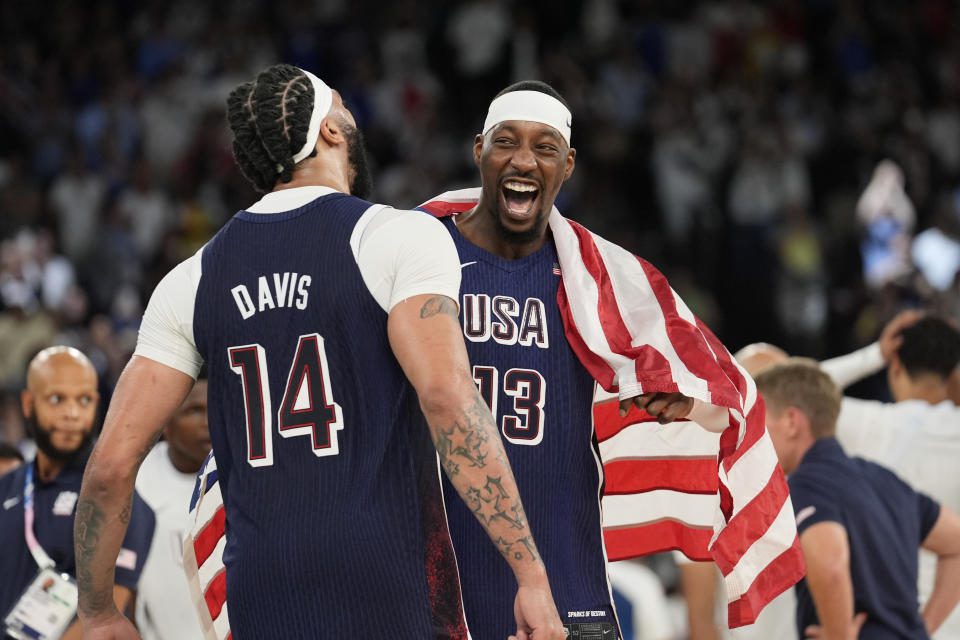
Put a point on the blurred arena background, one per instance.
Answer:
(793, 166)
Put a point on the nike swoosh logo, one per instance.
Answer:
(467, 264)
(10, 502)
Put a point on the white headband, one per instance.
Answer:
(533, 106)
(322, 101)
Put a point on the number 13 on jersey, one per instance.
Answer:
(307, 407)
(528, 390)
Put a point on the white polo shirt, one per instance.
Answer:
(918, 441)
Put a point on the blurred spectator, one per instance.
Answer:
(24, 327)
(936, 251)
(146, 209)
(888, 218)
(802, 305)
(76, 197)
(479, 31)
(59, 403)
(55, 272)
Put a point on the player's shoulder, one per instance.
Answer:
(818, 477)
(414, 216)
(185, 276)
(398, 226)
(877, 472)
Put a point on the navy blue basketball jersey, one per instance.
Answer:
(325, 464)
(542, 398)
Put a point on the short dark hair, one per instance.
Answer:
(270, 119)
(932, 346)
(800, 383)
(533, 85)
(10, 452)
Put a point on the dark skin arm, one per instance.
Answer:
(427, 340)
(665, 407)
(146, 396)
(122, 597)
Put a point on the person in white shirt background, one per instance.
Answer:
(164, 609)
(917, 436)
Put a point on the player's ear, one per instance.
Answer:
(331, 131)
(477, 148)
(795, 420)
(26, 403)
(896, 365)
(571, 164)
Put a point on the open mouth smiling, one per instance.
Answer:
(520, 198)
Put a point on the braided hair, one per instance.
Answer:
(269, 118)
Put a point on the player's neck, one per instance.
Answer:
(928, 389)
(317, 174)
(480, 228)
(182, 463)
(48, 468)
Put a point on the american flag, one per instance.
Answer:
(203, 553)
(675, 487)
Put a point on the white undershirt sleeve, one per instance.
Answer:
(853, 367)
(166, 332)
(402, 254)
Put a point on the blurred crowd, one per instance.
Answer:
(793, 166)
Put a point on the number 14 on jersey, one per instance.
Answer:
(307, 407)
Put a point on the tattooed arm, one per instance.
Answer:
(425, 336)
(146, 396)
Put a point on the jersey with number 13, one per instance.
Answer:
(542, 398)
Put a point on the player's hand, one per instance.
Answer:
(665, 407)
(536, 613)
(815, 631)
(116, 627)
(891, 338)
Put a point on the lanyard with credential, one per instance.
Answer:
(39, 555)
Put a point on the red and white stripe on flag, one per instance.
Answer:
(203, 557)
(635, 335)
(661, 483)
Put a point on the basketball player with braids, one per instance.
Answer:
(329, 328)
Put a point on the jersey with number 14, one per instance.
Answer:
(333, 510)
(542, 398)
